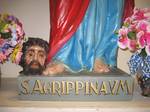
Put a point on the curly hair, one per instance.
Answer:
(31, 42)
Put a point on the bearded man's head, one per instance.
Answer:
(34, 56)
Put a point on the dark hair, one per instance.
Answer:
(31, 42)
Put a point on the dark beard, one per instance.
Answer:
(28, 70)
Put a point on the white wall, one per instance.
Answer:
(34, 14)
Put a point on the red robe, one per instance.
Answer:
(65, 17)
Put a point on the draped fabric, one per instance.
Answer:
(94, 38)
(128, 8)
(65, 17)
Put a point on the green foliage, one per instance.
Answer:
(143, 53)
(6, 35)
(132, 35)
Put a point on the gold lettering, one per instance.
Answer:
(63, 87)
(126, 83)
(132, 88)
(38, 87)
(69, 87)
(78, 86)
(122, 86)
(94, 88)
(25, 86)
(129, 90)
(113, 88)
(56, 88)
(87, 88)
(103, 88)
(46, 88)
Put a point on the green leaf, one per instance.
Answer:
(2, 25)
(125, 24)
(132, 35)
(6, 35)
(116, 32)
(143, 53)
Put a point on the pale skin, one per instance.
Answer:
(100, 66)
(54, 68)
(57, 68)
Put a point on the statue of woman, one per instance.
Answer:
(82, 35)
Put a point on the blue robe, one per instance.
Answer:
(94, 38)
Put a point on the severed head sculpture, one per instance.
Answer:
(34, 56)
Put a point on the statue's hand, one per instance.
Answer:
(53, 69)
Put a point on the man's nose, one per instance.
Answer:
(35, 57)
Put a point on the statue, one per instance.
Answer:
(34, 56)
(83, 36)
